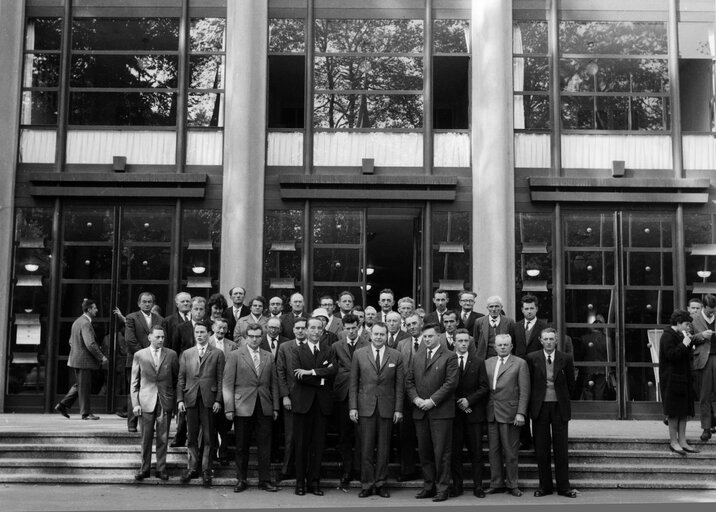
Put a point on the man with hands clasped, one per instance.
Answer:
(375, 399)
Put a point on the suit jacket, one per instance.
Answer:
(472, 384)
(432, 318)
(563, 381)
(284, 367)
(243, 324)
(186, 336)
(525, 344)
(470, 323)
(702, 345)
(512, 394)
(334, 325)
(85, 353)
(171, 325)
(150, 384)
(371, 388)
(136, 331)
(363, 334)
(265, 343)
(243, 385)
(313, 387)
(442, 338)
(397, 337)
(205, 375)
(231, 319)
(482, 331)
(435, 379)
(287, 321)
(229, 346)
(342, 357)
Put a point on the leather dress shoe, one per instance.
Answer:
(240, 486)
(454, 492)
(90, 417)
(187, 475)
(478, 492)
(495, 490)
(121, 414)
(540, 492)
(706, 435)
(364, 493)
(163, 476)
(316, 491)
(568, 494)
(133, 430)
(515, 492)
(382, 492)
(408, 477)
(206, 479)
(300, 491)
(689, 449)
(678, 450)
(425, 493)
(62, 410)
(441, 496)
(268, 487)
(177, 443)
(141, 475)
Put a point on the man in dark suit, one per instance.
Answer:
(218, 339)
(287, 319)
(440, 301)
(431, 385)
(155, 370)
(85, 357)
(527, 340)
(136, 334)
(376, 399)
(346, 301)
(386, 300)
(551, 385)
(406, 308)
(509, 380)
(348, 435)
(251, 400)
(487, 327)
(286, 381)
(311, 404)
(272, 337)
(467, 315)
(704, 363)
(237, 310)
(201, 371)
(470, 413)
(395, 333)
(171, 323)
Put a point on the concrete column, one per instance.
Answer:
(244, 145)
(493, 204)
(11, 36)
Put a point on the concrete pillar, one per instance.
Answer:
(11, 36)
(493, 204)
(244, 145)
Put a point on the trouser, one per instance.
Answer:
(375, 445)
(81, 390)
(244, 426)
(504, 443)
(551, 433)
(221, 439)
(288, 448)
(196, 417)
(158, 420)
(132, 420)
(467, 434)
(407, 440)
(309, 434)
(435, 449)
(349, 440)
(706, 395)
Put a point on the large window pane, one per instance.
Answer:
(619, 38)
(42, 70)
(363, 73)
(206, 72)
(386, 36)
(532, 112)
(39, 108)
(337, 226)
(451, 36)
(43, 34)
(368, 111)
(614, 75)
(529, 37)
(286, 35)
(283, 249)
(337, 265)
(205, 109)
(88, 225)
(137, 71)
(207, 34)
(123, 108)
(125, 34)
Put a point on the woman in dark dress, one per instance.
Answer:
(675, 373)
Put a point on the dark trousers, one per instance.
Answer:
(504, 442)
(375, 446)
(309, 435)
(435, 449)
(349, 440)
(158, 420)
(132, 420)
(707, 390)
(180, 435)
(551, 433)
(200, 416)
(221, 440)
(288, 448)
(467, 434)
(244, 426)
(81, 390)
(408, 440)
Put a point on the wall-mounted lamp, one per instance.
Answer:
(32, 265)
(532, 272)
(703, 274)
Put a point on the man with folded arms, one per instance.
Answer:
(375, 399)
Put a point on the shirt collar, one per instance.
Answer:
(550, 355)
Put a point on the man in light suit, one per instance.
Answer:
(348, 435)
(467, 315)
(551, 385)
(251, 400)
(432, 380)
(218, 339)
(704, 363)
(509, 380)
(201, 371)
(470, 412)
(376, 399)
(237, 310)
(312, 404)
(155, 370)
(487, 327)
(258, 306)
(136, 334)
(85, 357)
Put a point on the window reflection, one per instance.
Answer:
(286, 35)
(43, 34)
(145, 71)
(207, 34)
(387, 36)
(125, 34)
(451, 36)
(283, 250)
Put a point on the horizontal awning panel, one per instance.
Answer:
(100, 184)
(353, 187)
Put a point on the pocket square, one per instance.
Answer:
(325, 363)
(391, 365)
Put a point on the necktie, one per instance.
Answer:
(257, 361)
(462, 364)
(549, 359)
(500, 362)
(464, 317)
(527, 325)
(201, 352)
(430, 354)
(156, 358)
(236, 313)
(416, 345)
(352, 348)
(273, 344)
(493, 323)
(377, 359)
(390, 340)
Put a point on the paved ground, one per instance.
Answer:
(29, 497)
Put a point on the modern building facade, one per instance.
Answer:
(563, 148)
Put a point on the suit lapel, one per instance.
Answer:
(436, 355)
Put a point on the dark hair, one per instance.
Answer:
(451, 312)
(680, 316)
(439, 290)
(357, 307)
(254, 327)
(139, 297)
(696, 300)
(710, 300)
(379, 324)
(326, 297)
(528, 299)
(346, 292)
(551, 329)
(300, 319)
(87, 305)
(350, 318)
(217, 299)
(387, 290)
(462, 330)
(431, 325)
(259, 298)
(157, 327)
